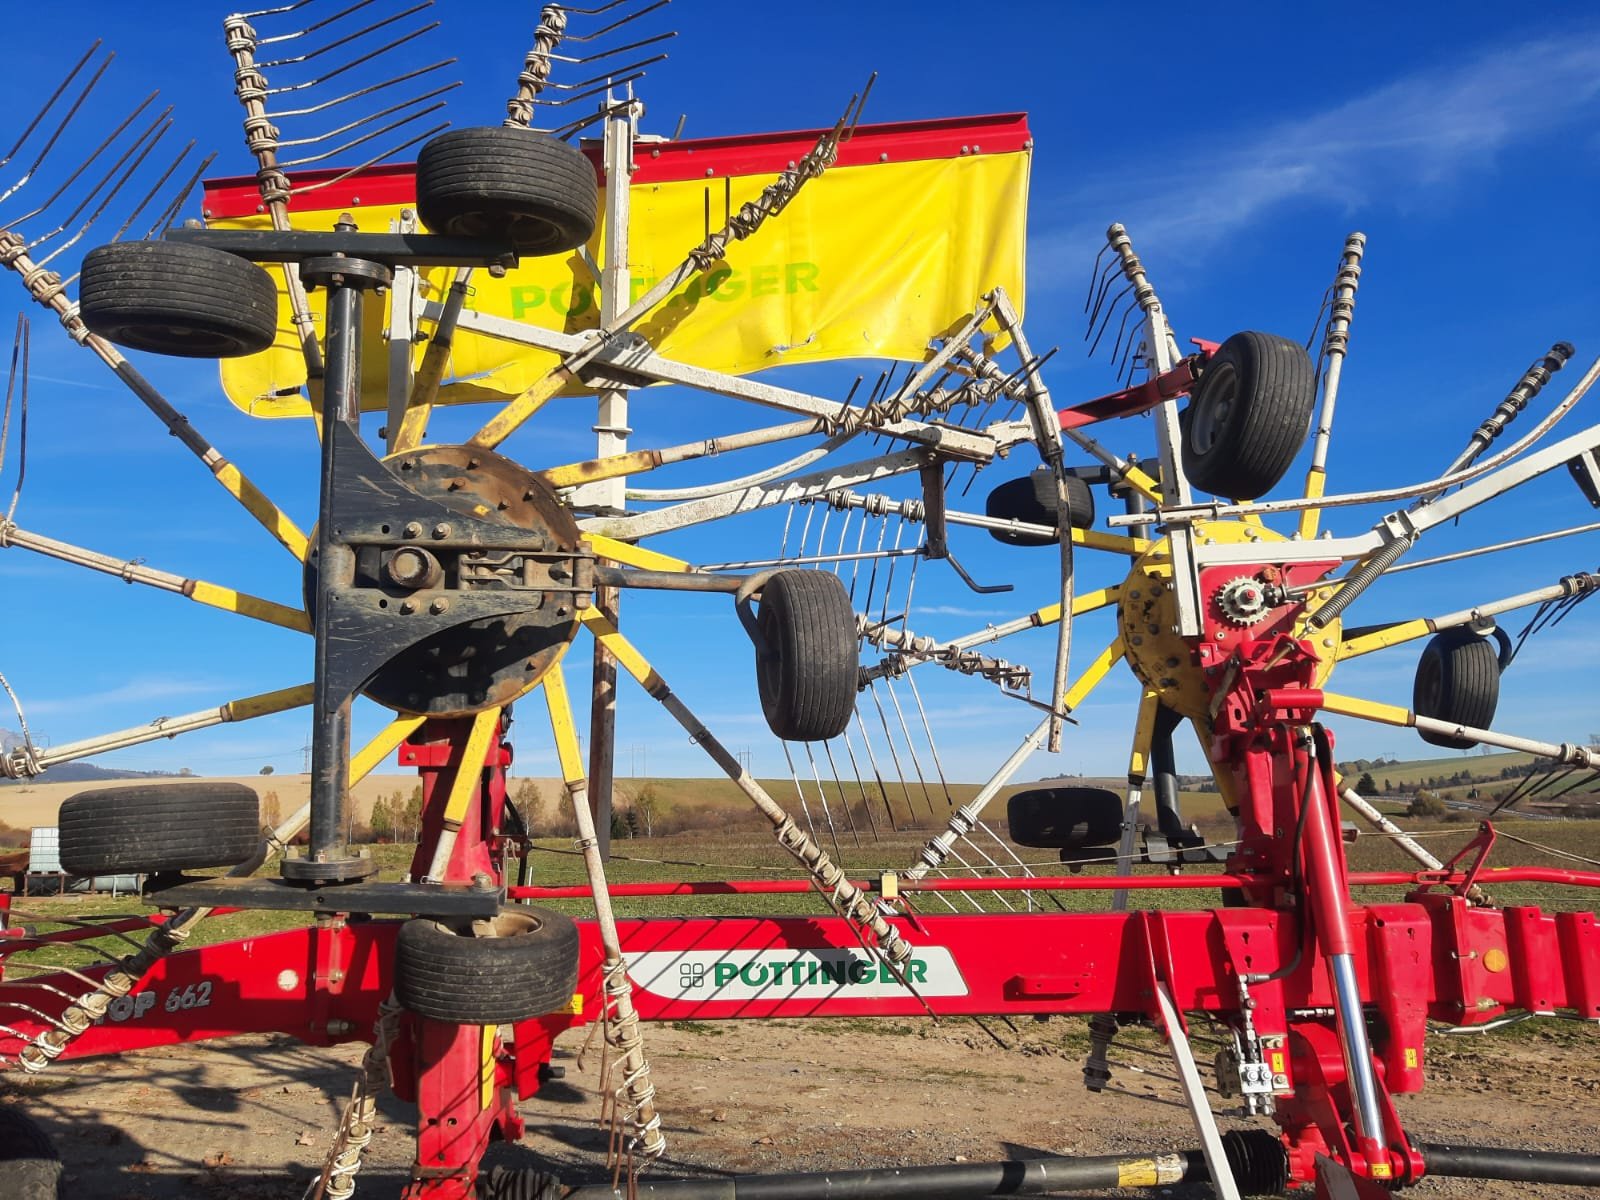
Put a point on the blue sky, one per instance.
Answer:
(1239, 152)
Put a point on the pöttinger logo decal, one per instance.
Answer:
(790, 974)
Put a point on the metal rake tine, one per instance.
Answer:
(1110, 311)
(594, 91)
(1099, 297)
(353, 63)
(851, 120)
(11, 385)
(1322, 311)
(609, 77)
(1095, 273)
(50, 103)
(370, 117)
(599, 54)
(588, 12)
(143, 153)
(315, 25)
(360, 141)
(140, 147)
(154, 190)
(22, 441)
(171, 211)
(617, 24)
(65, 121)
(352, 36)
(86, 163)
(284, 114)
(1117, 349)
(273, 12)
(376, 158)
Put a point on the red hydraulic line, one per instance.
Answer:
(1058, 883)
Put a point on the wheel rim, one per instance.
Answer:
(1430, 685)
(186, 339)
(1214, 408)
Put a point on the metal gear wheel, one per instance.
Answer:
(1243, 601)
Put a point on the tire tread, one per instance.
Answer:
(147, 828)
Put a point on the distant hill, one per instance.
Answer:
(85, 773)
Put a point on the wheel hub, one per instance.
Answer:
(1235, 609)
(485, 663)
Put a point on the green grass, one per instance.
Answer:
(1408, 775)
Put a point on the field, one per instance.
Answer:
(248, 1118)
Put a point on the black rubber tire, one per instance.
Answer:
(1457, 680)
(447, 971)
(28, 1159)
(1065, 818)
(1032, 498)
(808, 679)
(1249, 416)
(171, 298)
(146, 828)
(508, 185)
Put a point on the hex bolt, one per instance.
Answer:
(441, 530)
(441, 605)
(408, 606)
(412, 530)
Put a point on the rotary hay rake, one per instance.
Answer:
(446, 581)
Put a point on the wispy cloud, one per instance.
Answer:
(1417, 133)
(955, 610)
(133, 691)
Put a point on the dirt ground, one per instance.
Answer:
(250, 1118)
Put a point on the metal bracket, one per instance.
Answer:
(433, 900)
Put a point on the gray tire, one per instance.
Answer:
(1248, 416)
(509, 185)
(521, 965)
(1066, 818)
(1032, 499)
(148, 828)
(807, 679)
(1457, 680)
(176, 299)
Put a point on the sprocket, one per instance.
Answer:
(1243, 601)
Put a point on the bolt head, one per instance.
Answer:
(412, 529)
(439, 606)
(408, 606)
(441, 530)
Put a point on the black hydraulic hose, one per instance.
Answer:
(1518, 1166)
(1254, 1156)
(1164, 767)
(951, 1181)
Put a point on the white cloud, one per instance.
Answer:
(132, 691)
(1417, 133)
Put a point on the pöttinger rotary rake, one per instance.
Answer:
(447, 582)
